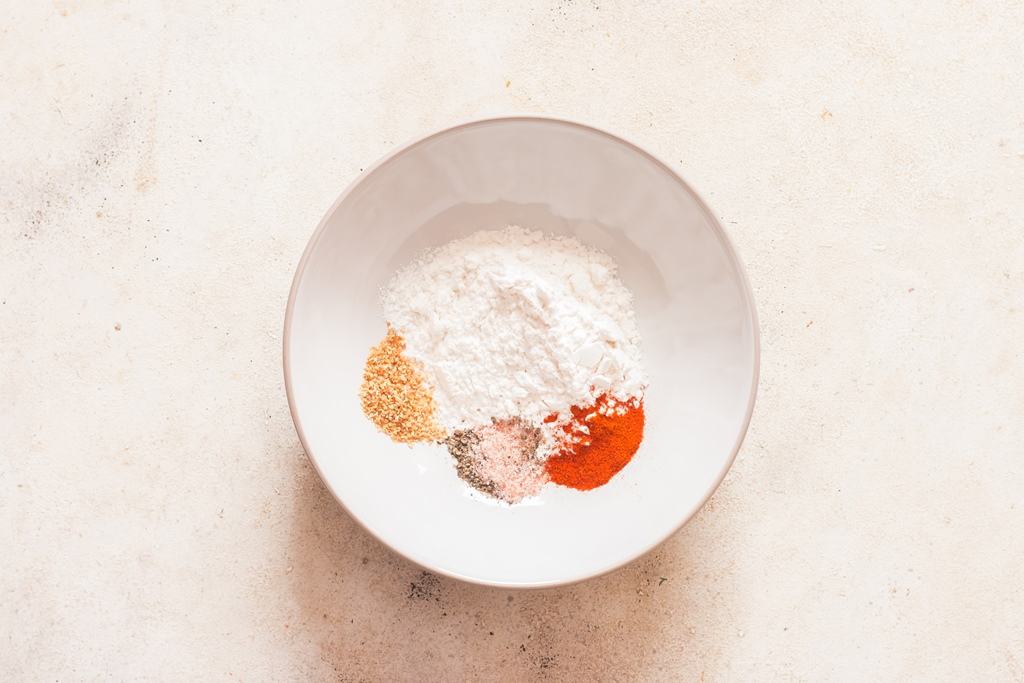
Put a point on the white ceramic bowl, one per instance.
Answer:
(693, 303)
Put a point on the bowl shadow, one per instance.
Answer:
(372, 615)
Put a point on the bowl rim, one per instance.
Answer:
(731, 254)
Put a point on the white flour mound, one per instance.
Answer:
(515, 323)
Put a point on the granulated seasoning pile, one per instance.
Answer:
(517, 351)
(394, 395)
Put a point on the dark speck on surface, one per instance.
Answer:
(425, 587)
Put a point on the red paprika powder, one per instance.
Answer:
(590, 458)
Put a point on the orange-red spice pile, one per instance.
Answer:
(599, 441)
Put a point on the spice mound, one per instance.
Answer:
(599, 441)
(517, 351)
(394, 395)
(500, 459)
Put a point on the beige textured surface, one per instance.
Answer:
(163, 166)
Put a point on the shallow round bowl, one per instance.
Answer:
(693, 304)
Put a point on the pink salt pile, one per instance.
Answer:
(500, 459)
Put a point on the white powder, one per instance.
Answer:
(514, 323)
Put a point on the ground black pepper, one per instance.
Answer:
(461, 444)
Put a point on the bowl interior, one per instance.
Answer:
(693, 306)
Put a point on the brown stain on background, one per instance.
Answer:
(65, 7)
(146, 173)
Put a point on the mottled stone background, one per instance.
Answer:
(163, 164)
